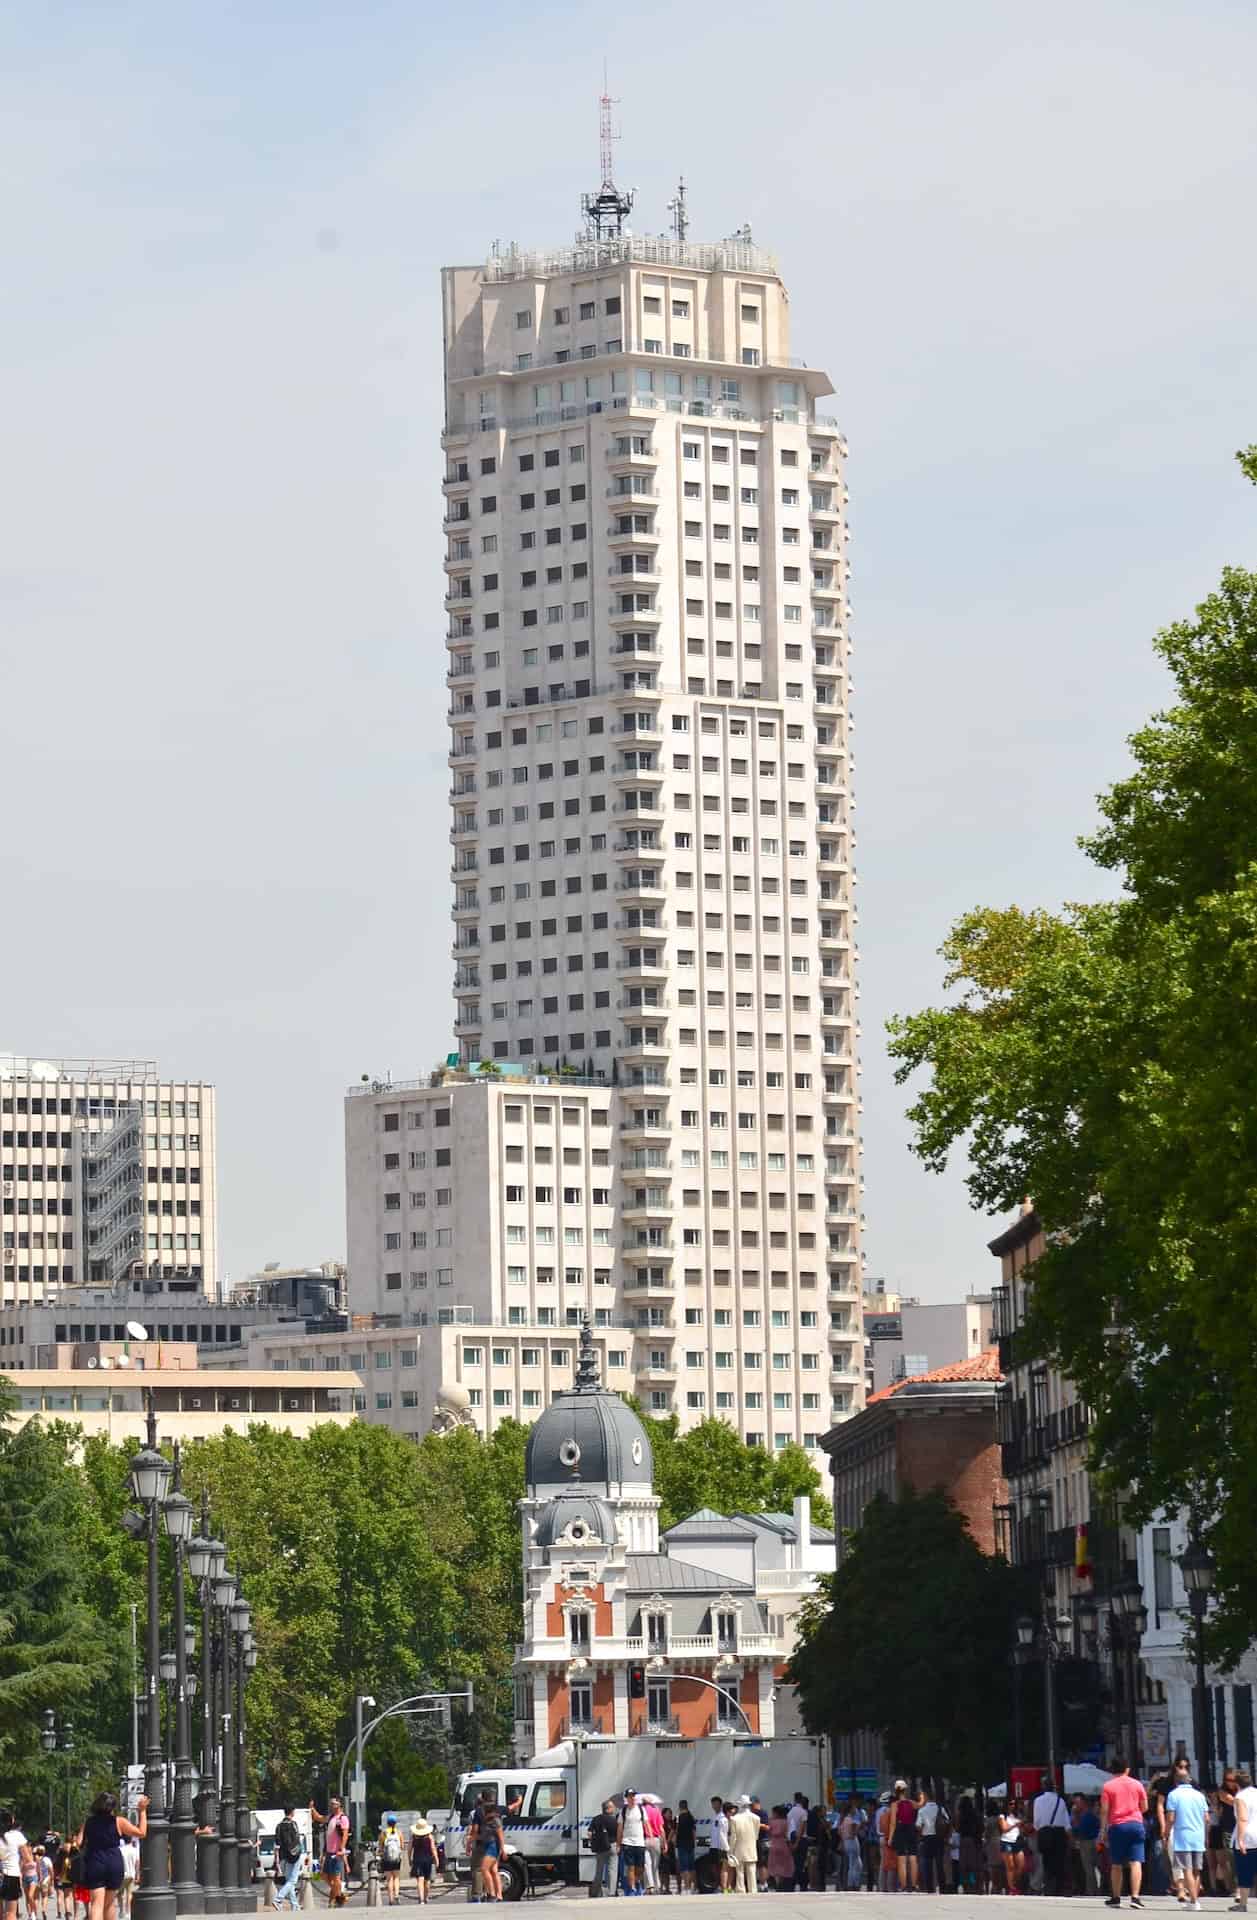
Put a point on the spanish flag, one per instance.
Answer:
(1082, 1559)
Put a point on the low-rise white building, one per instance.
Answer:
(525, 1201)
(1168, 1657)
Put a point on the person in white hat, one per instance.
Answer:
(423, 1859)
(744, 1847)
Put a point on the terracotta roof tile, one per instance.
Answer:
(979, 1366)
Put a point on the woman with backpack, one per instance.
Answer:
(391, 1862)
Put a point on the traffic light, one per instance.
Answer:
(637, 1683)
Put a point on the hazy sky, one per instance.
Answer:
(1021, 240)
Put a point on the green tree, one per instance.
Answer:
(1103, 1060)
(711, 1467)
(54, 1651)
(910, 1638)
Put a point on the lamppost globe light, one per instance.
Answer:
(166, 1667)
(189, 1640)
(1025, 1630)
(240, 1616)
(178, 1516)
(224, 1589)
(250, 1658)
(1196, 1565)
(1121, 1599)
(199, 1556)
(1138, 1618)
(1086, 1612)
(219, 1558)
(190, 1685)
(1064, 1633)
(150, 1474)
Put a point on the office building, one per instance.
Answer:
(107, 1177)
(914, 1337)
(650, 807)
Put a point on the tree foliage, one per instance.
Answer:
(910, 1638)
(1104, 1061)
(711, 1467)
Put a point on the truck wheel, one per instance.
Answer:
(707, 1874)
(514, 1876)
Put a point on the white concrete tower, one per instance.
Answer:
(646, 562)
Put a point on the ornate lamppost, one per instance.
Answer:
(1128, 1624)
(178, 1514)
(206, 1560)
(150, 1482)
(241, 1622)
(224, 1595)
(1197, 1568)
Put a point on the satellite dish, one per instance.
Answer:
(93, 1364)
(105, 1361)
(124, 1359)
(135, 1331)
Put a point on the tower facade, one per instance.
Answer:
(647, 662)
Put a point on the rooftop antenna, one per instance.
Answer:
(606, 211)
(680, 212)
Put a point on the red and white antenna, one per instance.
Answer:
(606, 211)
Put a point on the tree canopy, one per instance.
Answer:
(711, 1467)
(910, 1639)
(1103, 1060)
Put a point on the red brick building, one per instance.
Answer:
(938, 1429)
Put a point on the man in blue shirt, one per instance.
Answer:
(1085, 1823)
(1187, 1818)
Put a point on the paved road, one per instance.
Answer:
(793, 1906)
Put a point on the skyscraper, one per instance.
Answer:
(647, 641)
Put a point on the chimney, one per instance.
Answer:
(802, 1530)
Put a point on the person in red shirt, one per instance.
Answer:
(1123, 1804)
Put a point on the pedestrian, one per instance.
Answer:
(1245, 1840)
(487, 1837)
(30, 1882)
(761, 1857)
(630, 1837)
(335, 1843)
(101, 1867)
(1222, 1834)
(903, 1834)
(1187, 1817)
(1050, 1818)
(130, 1875)
(744, 1847)
(668, 1867)
(968, 1845)
(602, 1840)
(391, 1862)
(888, 1878)
(423, 1859)
(1123, 1803)
(929, 1843)
(1084, 1823)
(63, 1866)
(289, 1854)
(652, 1820)
(1012, 1847)
(687, 1842)
(780, 1852)
(849, 1836)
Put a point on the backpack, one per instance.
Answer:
(392, 1849)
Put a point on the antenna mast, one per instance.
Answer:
(606, 211)
(680, 212)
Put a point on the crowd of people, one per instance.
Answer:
(1168, 1837)
(86, 1875)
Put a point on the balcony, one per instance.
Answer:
(656, 1250)
(636, 617)
(656, 1723)
(619, 540)
(645, 890)
(580, 1723)
(641, 1287)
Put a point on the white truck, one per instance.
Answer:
(266, 1820)
(547, 1804)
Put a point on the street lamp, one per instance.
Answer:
(245, 1902)
(224, 1584)
(1025, 1631)
(150, 1476)
(1129, 1618)
(1197, 1568)
(178, 1515)
(206, 1558)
